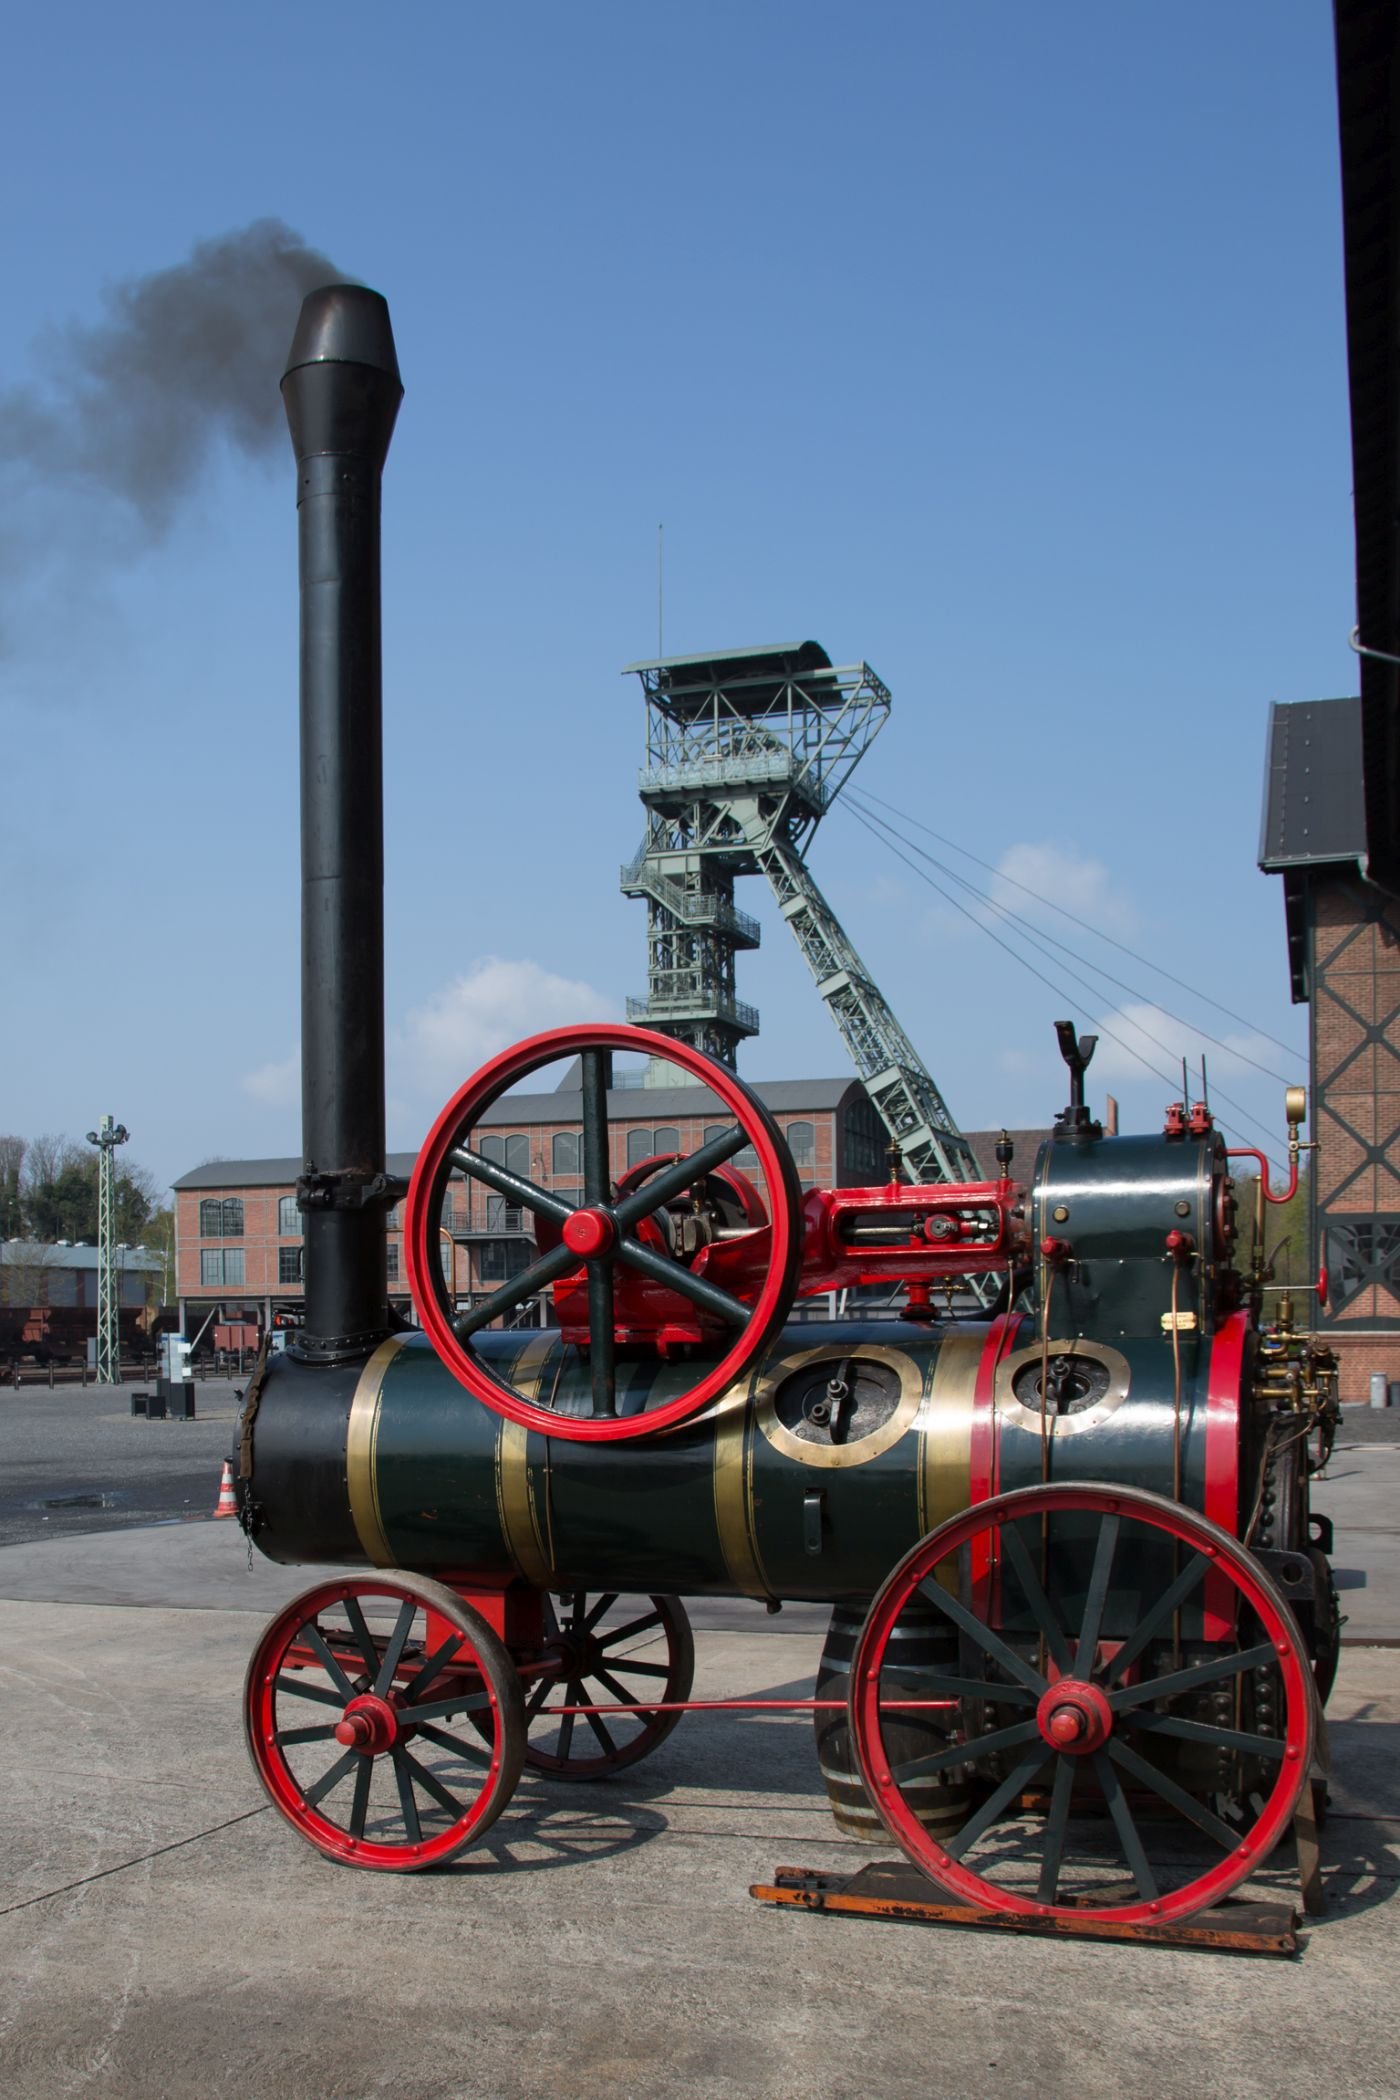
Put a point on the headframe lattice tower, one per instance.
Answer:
(746, 751)
(107, 1136)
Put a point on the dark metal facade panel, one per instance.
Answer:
(1368, 101)
(1314, 812)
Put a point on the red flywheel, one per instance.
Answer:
(711, 1308)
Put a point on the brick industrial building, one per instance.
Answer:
(238, 1229)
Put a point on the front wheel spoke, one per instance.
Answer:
(360, 1634)
(472, 1752)
(431, 1784)
(1042, 1611)
(1055, 1825)
(573, 1696)
(1175, 1796)
(1272, 1746)
(1092, 1623)
(1128, 1837)
(989, 1642)
(434, 1666)
(317, 1692)
(547, 1269)
(359, 1805)
(614, 1634)
(1151, 1688)
(331, 1778)
(534, 1705)
(513, 1185)
(674, 1276)
(601, 1606)
(922, 1689)
(1170, 1602)
(620, 1691)
(966, 1753)
(991, 1808)
(408, 1807)
(595, 1722)
(393, 1654)
(320, 1734)
(674, 1180)
(639, 1669)
(441, 1709)
(311, 1634)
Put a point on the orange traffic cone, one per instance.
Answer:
(227, 1504)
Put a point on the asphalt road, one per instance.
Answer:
(77, 1460)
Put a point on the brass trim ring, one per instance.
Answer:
(361, 1455)
(779, 1369)
(1017, 1415)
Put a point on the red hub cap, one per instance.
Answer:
(589, 1232)
(1074, 1717)
(369, 1724)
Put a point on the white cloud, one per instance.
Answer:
(1164, 1041)
(492, 1005)
(278, 1083)
(1053, 876)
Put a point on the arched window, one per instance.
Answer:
(564, 1154)
(288, 1217)
(639, 1147)
(518, 1154)
(716, 1130)
(666, 1139)
(492, 1148)
(801, 1139)
(221, 1218)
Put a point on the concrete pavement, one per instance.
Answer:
(163, 1933)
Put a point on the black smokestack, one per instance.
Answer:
(342, 392)
(132, 406)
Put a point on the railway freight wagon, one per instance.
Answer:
(1058, 1502)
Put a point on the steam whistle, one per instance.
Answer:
(1076, 1121)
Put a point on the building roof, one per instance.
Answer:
(625, 1105)
(43, 1254)
(1314, 809)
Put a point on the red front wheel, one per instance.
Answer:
(627, 1263)
(385, 1720)
(1095, 1742)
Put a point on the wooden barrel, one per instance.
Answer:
(921, 1646)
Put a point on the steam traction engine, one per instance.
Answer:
(1081, 1610)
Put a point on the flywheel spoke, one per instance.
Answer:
(674, 1180)
(596, 1078)
(602, 1348)
(676, 1277)
(520, 1191)
(547, 1269)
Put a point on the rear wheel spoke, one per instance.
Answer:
(1271, 1746)
(312, 1636)
(1176, 1796)
(331, 1778)
(1005, 1794)
(1041, 1609)
(393, 1654)
(1128, 1835)
(1150, 1688)
(986, 1640)
(1092, 1622)
(359, 1804)
(408, 1807)
(1055, 1826)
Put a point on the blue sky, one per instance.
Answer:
(999, 346)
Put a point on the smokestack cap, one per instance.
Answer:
(342, 387)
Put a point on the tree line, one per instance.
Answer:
(48, 1192)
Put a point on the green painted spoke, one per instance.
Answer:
(602, 1339)
(1177, 1797)
(595, 1722)
(431, 1784)
(1128, 1838)
(1092, 1624)
(639, 1669)
(602, 1604)
(322, 1733)
(513, 1185)
(573, 1696)
(1042, 1610)
(360, 1802)
(311, 1634)
(991, 1809)
(317, 1692)
(1272, 1746)
(535, 1703)
(547, 1269)
(619, 1691)
(611, 1635)
(360, 1634)
(434, 1666)
(1055, 1826)
(331, 1778)
(964, 1753)
(439, 1709)
(989, 1642)
(595, 1077)
(408, 1807)
(472, 1752)
(393, 1654)
(1211, 1672)
(1170, 1601)
(923, 1688)
(666, 1270)
(674, 1180)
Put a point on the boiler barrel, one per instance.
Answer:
(394, 1464)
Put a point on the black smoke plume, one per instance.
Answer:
(187, 357)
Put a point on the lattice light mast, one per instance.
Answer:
(107, 1136)
(746, 751)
